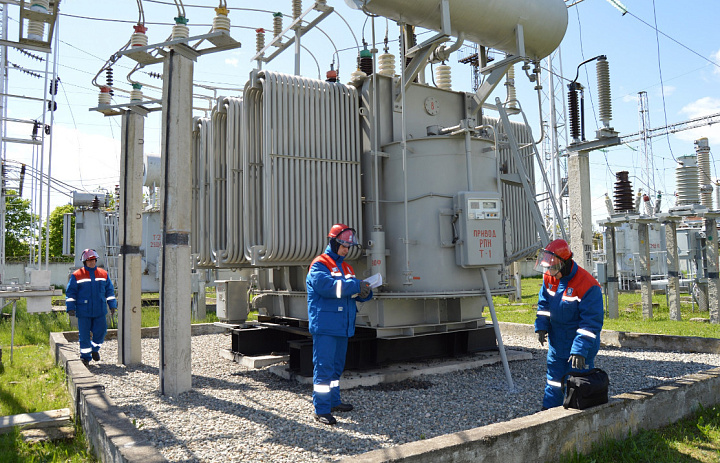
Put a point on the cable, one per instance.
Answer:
(662, 85)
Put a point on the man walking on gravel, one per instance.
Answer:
(89, 292)
(569, 315)
(332, 290)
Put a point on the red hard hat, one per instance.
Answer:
(560, 248)
(343, 234)
(88, 254)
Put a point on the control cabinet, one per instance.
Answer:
(480, 239)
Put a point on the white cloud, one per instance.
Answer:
(700, 108)
(716, 58)
(232, 62)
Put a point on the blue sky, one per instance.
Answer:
(679, 68)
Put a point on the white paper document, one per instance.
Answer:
(375, 280)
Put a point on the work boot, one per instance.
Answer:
(343, 408)
(96, 356)
(325, 418)
(85, 362)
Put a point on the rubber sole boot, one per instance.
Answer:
(86, 362)
(325, 418)
(343, 408)
(96, 356)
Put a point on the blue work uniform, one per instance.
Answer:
(571, 311)
(331, 285)
(89, 292)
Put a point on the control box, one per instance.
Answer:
(480, 240)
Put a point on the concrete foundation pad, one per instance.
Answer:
(402, 371)
(252, 362)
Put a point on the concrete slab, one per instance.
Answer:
(402, 371)
(50, 418)
(252, 362)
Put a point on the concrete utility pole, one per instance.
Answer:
(580, 208)
(176, 197)
(129, 261)
(644, 258)
(673, 266)
(612, 276)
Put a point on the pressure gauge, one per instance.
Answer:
(432, 105)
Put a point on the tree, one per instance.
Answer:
(18, 225)
(56, 229)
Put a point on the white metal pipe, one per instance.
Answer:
(496, 327)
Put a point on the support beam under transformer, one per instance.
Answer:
(175, 373)
(130, 238)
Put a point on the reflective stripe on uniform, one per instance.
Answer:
(84, 280)
(552, 293)
(111, 298)
(86, 350)
(570, 298)
(70, 299)
(545, 313)
(100, 279)
(587, 333)
(321, 388)
(335, 383)
(94, 344)
(338, 288)
(554, 384)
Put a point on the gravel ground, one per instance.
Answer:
(240, 415)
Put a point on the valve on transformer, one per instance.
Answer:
(180, 29)
(139, 38)
(221, 22)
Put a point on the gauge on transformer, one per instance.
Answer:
(432, 105)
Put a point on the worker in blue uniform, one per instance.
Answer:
(332, 291)
(88, 294)
(569, 315)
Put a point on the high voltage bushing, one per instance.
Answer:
(365, 62)
(574, 110)
(623, 193)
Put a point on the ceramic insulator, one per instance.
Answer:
(443, 79)
(386, 63)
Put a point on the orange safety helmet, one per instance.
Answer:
(88, 254)
(343, 235)
(552, 259)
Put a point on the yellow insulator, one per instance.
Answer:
(221, 22)
(386, 64)
(443, 79)
(36, 29)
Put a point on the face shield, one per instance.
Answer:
(347, 238)
(548, 262)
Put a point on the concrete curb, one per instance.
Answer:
(112, 436)
(623, 339)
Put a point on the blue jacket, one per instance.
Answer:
(571, 311)
(330, 291)
(89, 292)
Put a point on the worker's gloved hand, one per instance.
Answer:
(71, 313)
(542, 336)
(364, 289)
(577, 362)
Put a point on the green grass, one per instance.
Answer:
(630, 313)
(694, 439)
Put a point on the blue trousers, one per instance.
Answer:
(88, 343)
(329, 362)
(558, 365)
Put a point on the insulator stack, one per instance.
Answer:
(702, 149)
(139, 38)
(104, 95)
(609, 205)
(109, 81)
(357, 75)
(648, 206)
(365, 62)
(603, 78)
(574, 110)
(443, 78)
(221, 22)
(277, 23)
(36, 29)
(136, 92)
(686, 180)
(510, 85)
(180, 29)
(623, 193)
(259, 39)
(386, 64)
(296, 8)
